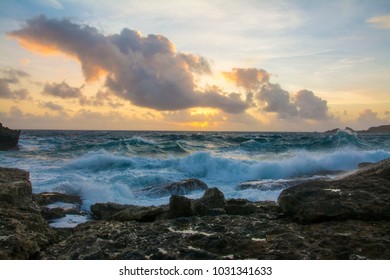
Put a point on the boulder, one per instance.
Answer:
(240, 207)
(211, 203)
(212, 199)
(179, 206)
(104, 211)
(8, 138)
(119, 212)
(363, 195)
(140, 213)
(177, 188)
(52, 213)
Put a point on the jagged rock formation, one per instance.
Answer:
(8, 138)
(23, 231)
(373, 129)
(364, 195)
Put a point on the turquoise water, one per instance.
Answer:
(118, 166)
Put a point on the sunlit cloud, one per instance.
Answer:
(381, 22)
(248, 78)
(145, 70)
(273, 98)
(127, 71)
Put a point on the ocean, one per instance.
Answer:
(121, 166)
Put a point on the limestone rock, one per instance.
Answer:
(240, 207)
(363, 195)
(103, 211)
(177, 188)
(212, 199)
(15, 188)
(47, 198)
(179, 206)
(23, 231)
(140, 213)
(120, 212)
(8, 138)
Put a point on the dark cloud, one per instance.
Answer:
(52, 106)
(303, 104)
(310, 106)
(12, 76)
(275, 99)
(62, 90)
(147, 70)
(9, 77)
(102, 98)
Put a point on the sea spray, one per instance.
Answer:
(116, 166)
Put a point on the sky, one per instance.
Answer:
(217, 65)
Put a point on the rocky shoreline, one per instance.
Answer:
(347, 218)
(9, 138)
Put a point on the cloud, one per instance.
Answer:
(310, 106)
(52, 106)
(147, 70)
(188, 116)
(62, 90)
(275, 99)
(248, 78)
(381, 22)
(303, 104)
(9, 77)
(13, 76)
(52, 4)
(81, 119)
(368, 118)
(102, 98)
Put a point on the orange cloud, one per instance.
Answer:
(248, 78)
(95, 72)
(37, 47)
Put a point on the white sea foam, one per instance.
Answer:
(102, 176)
(116, 166)
(69, 221)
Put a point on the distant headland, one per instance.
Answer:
(373, 129)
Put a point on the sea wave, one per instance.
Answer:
(117, 166)
(102, 176)
(205, 165)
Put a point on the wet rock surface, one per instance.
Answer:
(363, 195)
(177, 188)
(346, 218)
(56, 205)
